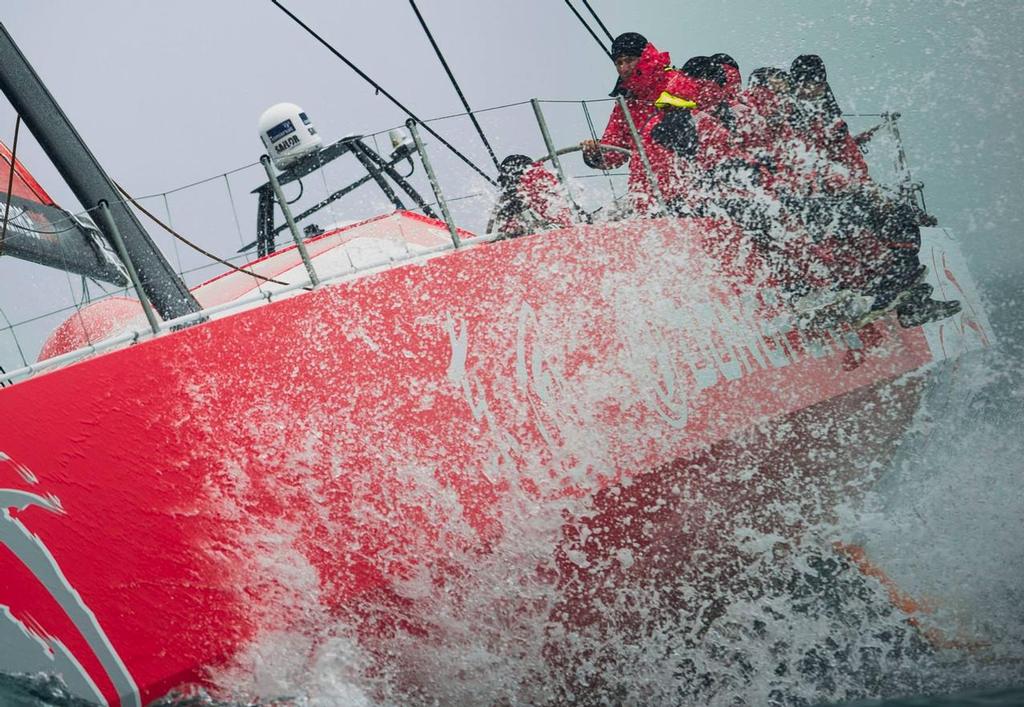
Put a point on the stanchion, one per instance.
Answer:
(122, 252)
(283, 203)
(411, 124)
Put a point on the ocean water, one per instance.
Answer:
(797, 626)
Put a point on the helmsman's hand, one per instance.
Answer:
(592, 153)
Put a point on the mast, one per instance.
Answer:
(83, 173)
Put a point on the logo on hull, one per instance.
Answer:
(26, 645)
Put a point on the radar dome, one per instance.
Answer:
(288, 134)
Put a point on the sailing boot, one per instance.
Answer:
(896, 284)
(919, 308)
(891, 297)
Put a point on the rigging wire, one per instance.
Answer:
(234, 211)
(192, 245)
(599, 22)
(584, 23)
(200, 181)
(302, 190)
(99, 285)
(74, 300)
(595, 138)
(10, 180)
(174, 244)
(362, 74)
(70, 219)
(458, 90)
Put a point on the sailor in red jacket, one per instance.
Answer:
(644, 74)
(678, 159)
(721, 163)
(733, 79)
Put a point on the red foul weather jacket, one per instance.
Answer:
(653, 75)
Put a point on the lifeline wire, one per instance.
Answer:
(10, 328)
(201, 181)
(192, 245)
(362, 74)
(599, 22)
(584, 23)
(10, 180)
(458, 90)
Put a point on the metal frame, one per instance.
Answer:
(434, 184)
(553, 153)
(377, 169)
(651, 178)
(286, 210)
(108, 221)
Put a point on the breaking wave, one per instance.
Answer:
(895, 567)
(578, 603)
(554, 613)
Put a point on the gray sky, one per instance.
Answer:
(166, 93)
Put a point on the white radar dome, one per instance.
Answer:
(288, 134)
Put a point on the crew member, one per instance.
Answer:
(531, 199)
(645, 76)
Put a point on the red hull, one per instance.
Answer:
(341, 427)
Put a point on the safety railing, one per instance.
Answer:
(205, 226)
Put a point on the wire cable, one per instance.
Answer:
(234, 211)
(14, 335)
(458, 90)
(595, 138)
(198, 182)
(174, 244)
(584, 23)
(362, 74)
(192, 245)
(599, 22)
(302, 190)
(28, 229)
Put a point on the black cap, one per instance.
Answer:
(808, 68)
(704, 68)
(511, 169)
(628, 44)
(725, 60)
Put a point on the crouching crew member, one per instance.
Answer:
(531, 199)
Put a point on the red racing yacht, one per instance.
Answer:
(357, 424)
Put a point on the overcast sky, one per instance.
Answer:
(166, 93)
